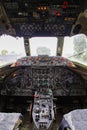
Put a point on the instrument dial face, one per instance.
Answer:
(60, 79)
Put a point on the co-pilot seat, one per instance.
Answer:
(74, 120)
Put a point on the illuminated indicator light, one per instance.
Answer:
(14, 75)
(45, 8)
(41, 8)
(38, 8)
(65, 4)
(58, 14)
(16, 64)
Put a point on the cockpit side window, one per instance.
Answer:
(11, 49)
(75, 48)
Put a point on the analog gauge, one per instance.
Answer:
(62, 28)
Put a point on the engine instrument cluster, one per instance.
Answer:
(31, 77)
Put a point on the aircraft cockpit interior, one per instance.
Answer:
(43, 72)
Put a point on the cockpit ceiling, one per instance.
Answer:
(30, 18)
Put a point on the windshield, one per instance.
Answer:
(74, 48)
(11, 49)
(43, 46)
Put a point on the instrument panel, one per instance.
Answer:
(60, 79)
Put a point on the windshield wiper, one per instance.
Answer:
(77, 54)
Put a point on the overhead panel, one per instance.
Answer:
(42, 17)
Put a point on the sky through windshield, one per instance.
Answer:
(43, 46)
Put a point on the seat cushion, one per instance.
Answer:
(77, 119)
(8, 120)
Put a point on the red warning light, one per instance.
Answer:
(58, 13)
(65, 4)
